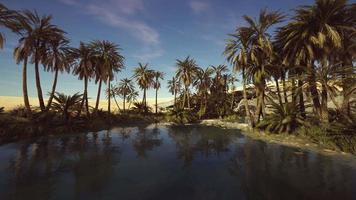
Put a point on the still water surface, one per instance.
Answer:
(159, 162)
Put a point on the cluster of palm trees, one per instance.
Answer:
(42, 43)
(312, 55)
(211, 86)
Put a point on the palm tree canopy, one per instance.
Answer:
(144, 76)
(108, 59)
(84, 65)
(125, 87)
(187, 70)
(157, 76)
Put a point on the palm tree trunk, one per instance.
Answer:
(117, 104)
(144, 100)
(124, 102)
(39, 89)
(53, 90)
(184, 97)
(278, 91)
(86, 96)
(313, 90)
(109, 97)
(301, 99)
(188, 98)
(324, 104)
(175, 100)
(247, 109)
(284, 87)
(98, 96)
(24, 88)
(156, 99)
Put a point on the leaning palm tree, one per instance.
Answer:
(34, 36)
(57, 59)
(84, 69)
(124, 88)
(110, 61)
(186, 73)
(132, 98)
(157, 85)
(144, 77)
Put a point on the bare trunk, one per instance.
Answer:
(124, 103)
(284, 88)
(278, 92)
(24, 88)
(324, 104)
(314, 91)
(156, 99)
(39, 89)
(109, 97)
(247, 109)
(53, 90)
(301, 99)
(188, 98)
(98, 96)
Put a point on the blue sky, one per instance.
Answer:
(153, 31)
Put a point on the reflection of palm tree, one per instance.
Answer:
(146, 141)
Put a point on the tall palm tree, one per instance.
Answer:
(260, 52)
(34, 36)
(124, 88)
(174, 87)
(157, 85)
(84, 69)
(186, 72)
(237, 53)
(144, 77)
(203, 83)
(57, 58)
(110, 61)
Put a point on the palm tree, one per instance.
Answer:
(57, 58)
(125, 88)
(156, 84)
(174, 87)
(203, 83)
(132, 98)
(84, 69)
(260, 52)
(237, 53)
(66, 104)
(186, 73)
(110, 61)
(144, 77)
(9, 19)
(312, 36)
(35, 33)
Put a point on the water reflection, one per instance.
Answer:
(169, 163)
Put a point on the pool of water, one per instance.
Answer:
(160, 162)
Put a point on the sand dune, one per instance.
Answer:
(11, 102)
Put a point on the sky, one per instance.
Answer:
(154, 31)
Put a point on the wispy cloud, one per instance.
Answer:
(122, 14)
(199, 6)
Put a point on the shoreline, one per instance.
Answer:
(301, 142)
